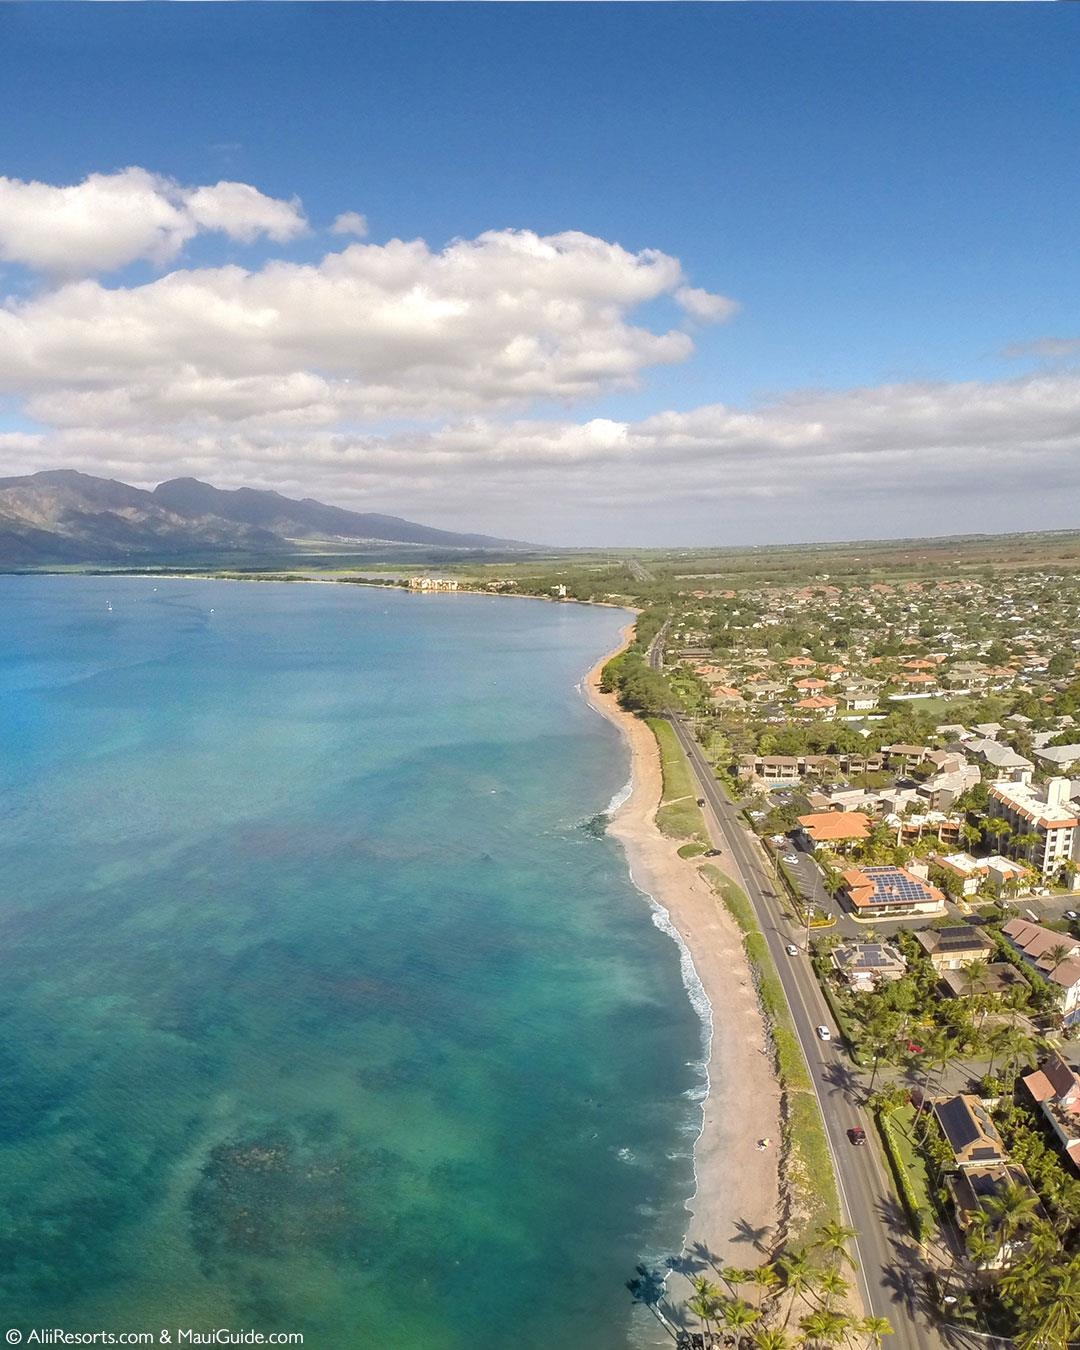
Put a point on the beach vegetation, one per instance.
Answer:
(808, 1176)
(679, 816)
(799, 1298)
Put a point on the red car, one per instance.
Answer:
(857, 1134)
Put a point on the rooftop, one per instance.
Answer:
(871, 887)
(831, 826)
(956, 940)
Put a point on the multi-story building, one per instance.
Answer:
(1048, 815)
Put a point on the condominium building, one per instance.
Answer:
(1049, 815)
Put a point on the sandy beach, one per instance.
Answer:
(737, 1184)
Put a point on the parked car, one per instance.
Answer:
(712, 853)
(824, 1034)
(791, 949)
(857, 1134)
(1071, 914)
(791, 858)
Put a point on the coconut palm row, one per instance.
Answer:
(799, 1299)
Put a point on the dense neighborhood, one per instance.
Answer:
(904, 750)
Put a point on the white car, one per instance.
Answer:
(791, 949)
(1071, 914)
(824, 1034)
(791, 858)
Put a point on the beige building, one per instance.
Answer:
(432, 584)
(956, 947)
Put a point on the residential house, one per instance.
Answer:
(974, 1192)
(965, 1122)
(947, 829)
(1061, 759)
(905, 756)
(818, 705)
(866, 965)
(1055, 1087)
(955, 947)
(1056, 957)
(996, 980)
(1001, 763)
(967, 873)
(1005, 875)
(942, 789)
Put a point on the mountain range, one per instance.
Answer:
(61, 516)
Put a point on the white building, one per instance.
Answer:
(1048, 812)
(1001, 762)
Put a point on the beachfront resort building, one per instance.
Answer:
(432, 584)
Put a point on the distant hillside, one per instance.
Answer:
(62, 516)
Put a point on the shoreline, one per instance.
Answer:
(327, 581)
(736, 1203)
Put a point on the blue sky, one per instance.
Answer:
(889, 192)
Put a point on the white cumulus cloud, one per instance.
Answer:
(895, 460)
(374, 331)
(704, 305)
(110, 220)
(350, 222)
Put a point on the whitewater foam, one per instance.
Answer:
(620, 797)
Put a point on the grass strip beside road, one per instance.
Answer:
(679, 816)
(808, 1168)
(908, 1168)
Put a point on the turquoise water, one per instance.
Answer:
(320, 1010)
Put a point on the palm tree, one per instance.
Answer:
(983, 1242)
(706, 1302)
(976, 977)
(972, 835)
(1011, 1209)
(765, 1280)
(733, 1276)
(799, 1278)
(1027, 844)
(1050, 1315)
(833, 1287)
(825, 1326)
(765, 1338)
(875, 1329)
(704, 1308)
(738, 1315)
(833, 1237)
(999, 828)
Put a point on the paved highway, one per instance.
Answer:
(890, 1264)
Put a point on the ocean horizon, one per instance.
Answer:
(327, 1005)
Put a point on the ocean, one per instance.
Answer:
(325, 1004)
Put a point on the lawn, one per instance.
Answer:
(808, 1163)
(679, 816)
(905, 1156)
